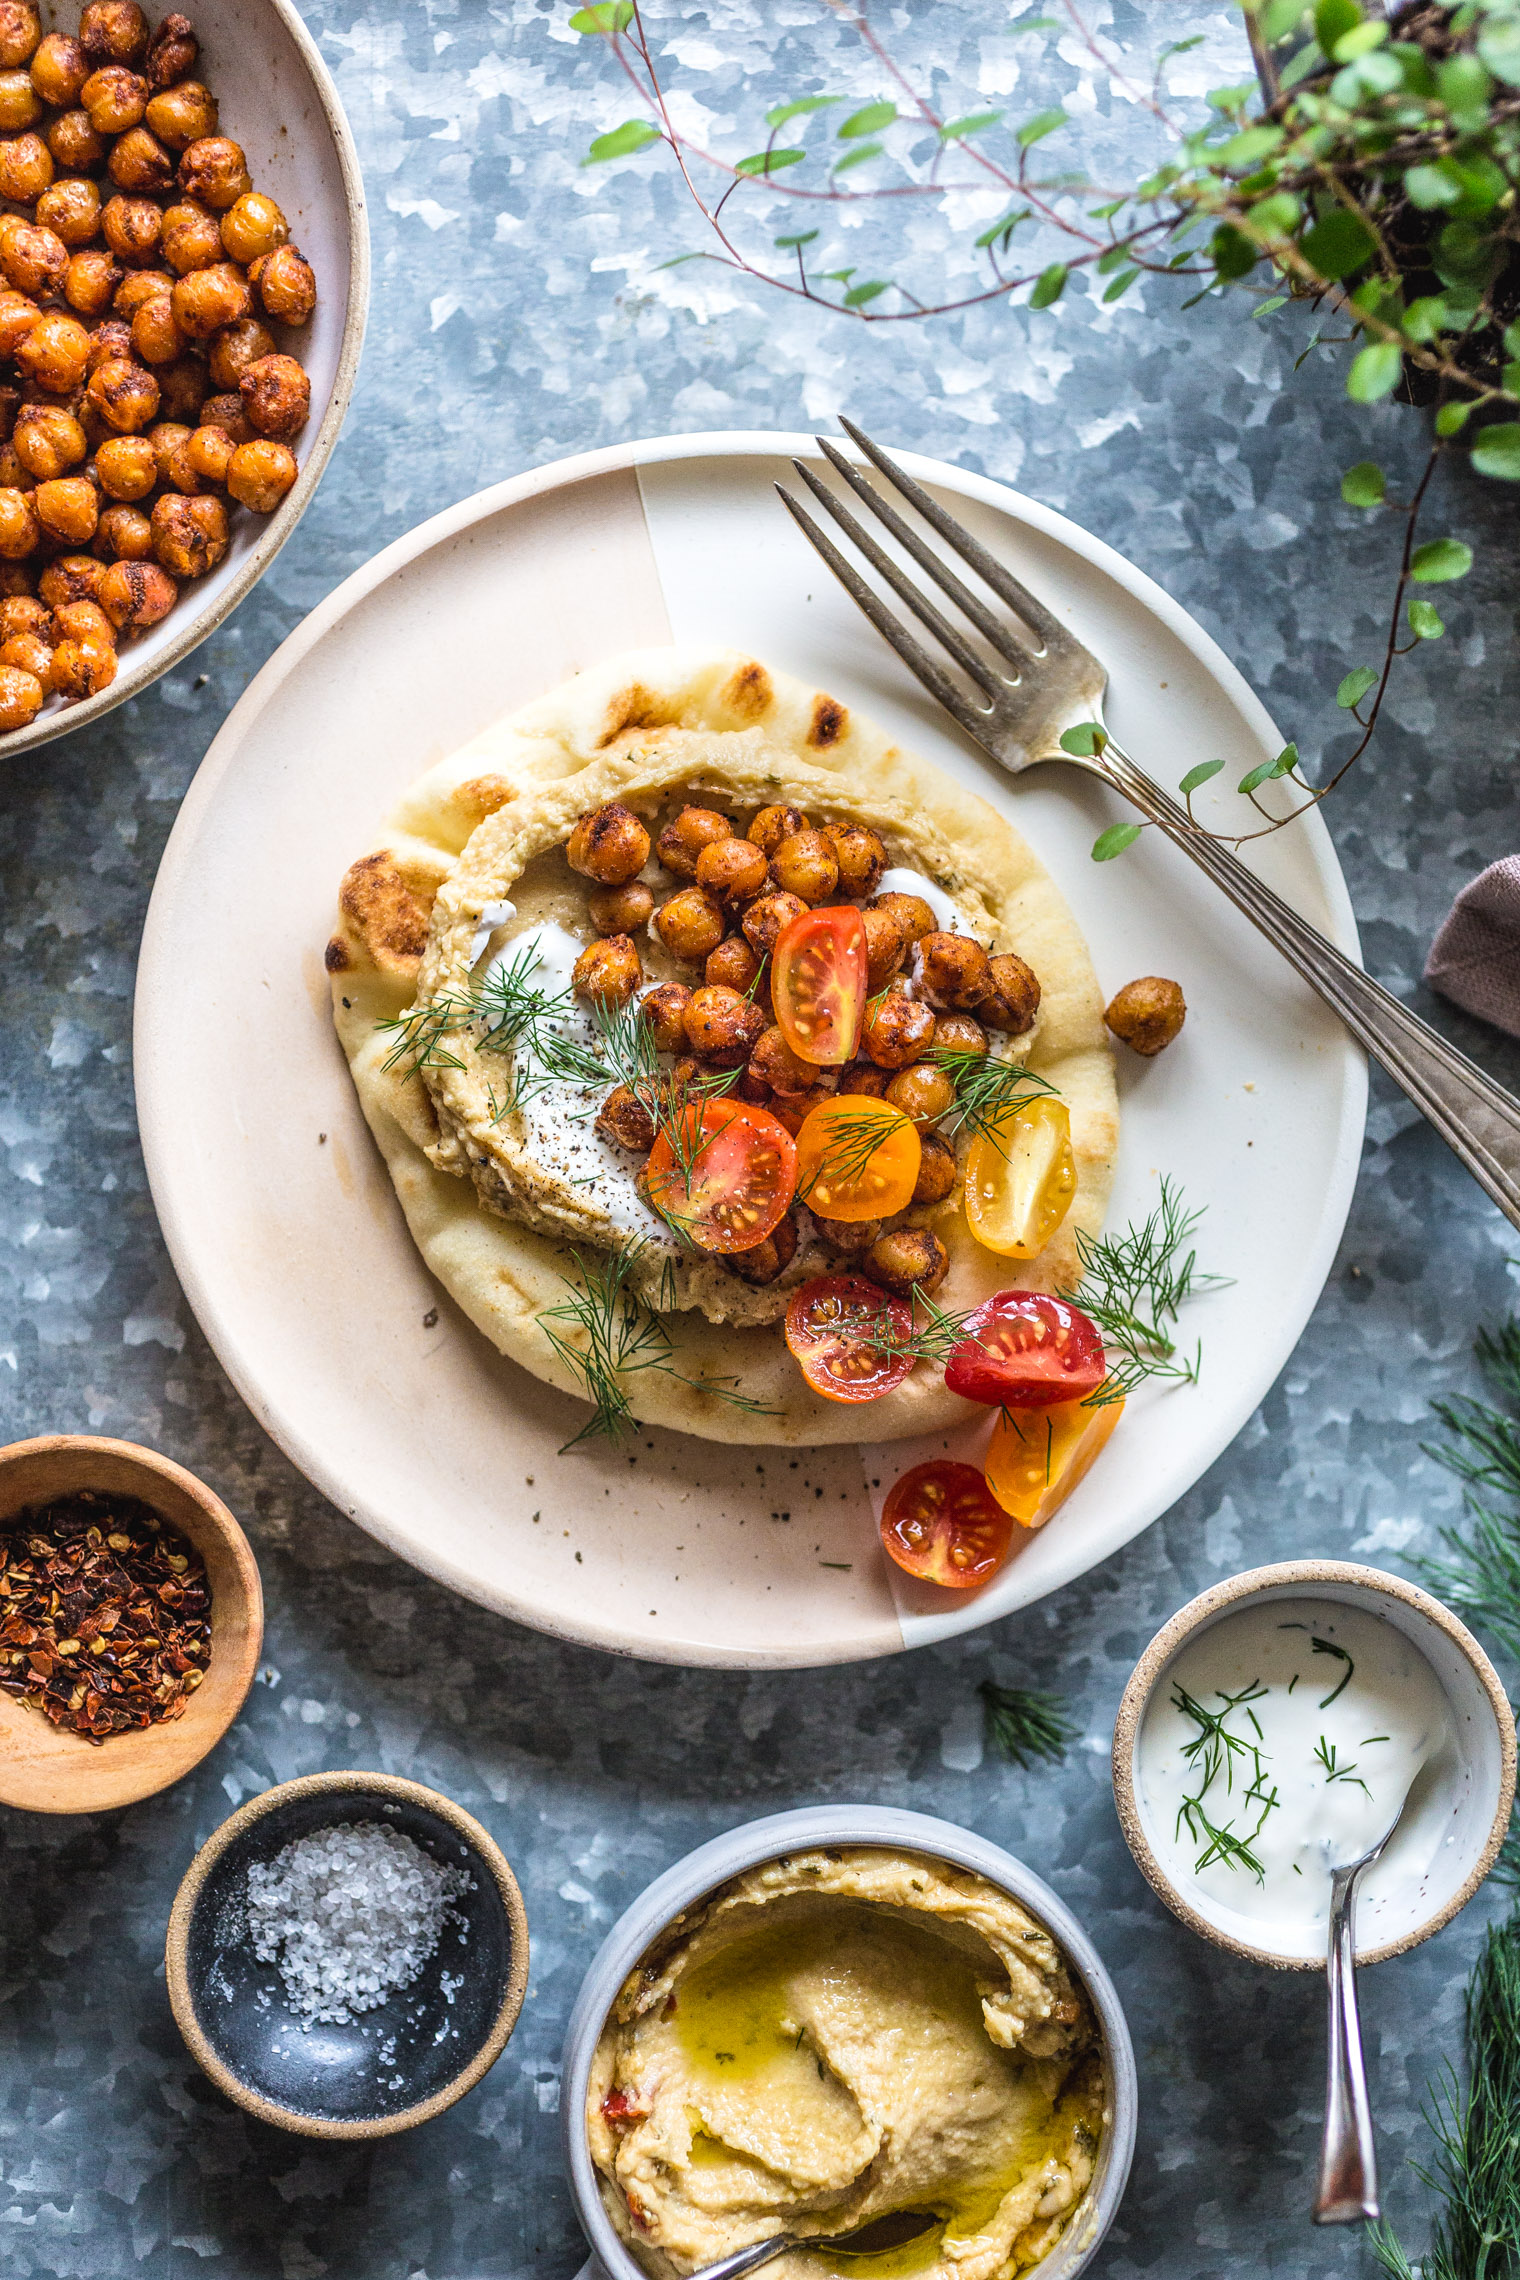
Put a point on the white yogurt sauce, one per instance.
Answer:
(492, 916)
(1326, 1715)
(903, 882)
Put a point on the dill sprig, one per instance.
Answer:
(986, 1089)
(1476, 2166)
(853, 1140)
(931, 1333)
(1024, 1723)
(1134, 1286)
(1480, 1572)
(1215, 1751)
(1327, 1755)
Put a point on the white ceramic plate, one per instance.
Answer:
(280, 1217)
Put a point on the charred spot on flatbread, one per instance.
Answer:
(335, 957)
(482, 796)
(748, 694)
(383, 912)
(828, 724)
(632, 706)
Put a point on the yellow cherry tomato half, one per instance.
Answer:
(857, 1158)
(819, 979)
(1037, 1456)
(1021, 1177)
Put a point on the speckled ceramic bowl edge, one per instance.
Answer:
(1307, 1575)
(713, 1864)
(177, 1941)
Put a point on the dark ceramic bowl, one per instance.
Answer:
(389, 2068)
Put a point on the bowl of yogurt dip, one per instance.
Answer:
(1273, 1728)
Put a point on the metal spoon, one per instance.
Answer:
(892, 2231)
(1348, 2173)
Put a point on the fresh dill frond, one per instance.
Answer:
(422, 1032)
(1025, 1723)
(1479, 1570)
(931, 1333)
(986, 1089)
(1214, 1751)
(1327, 1755)
(1329, 1647)
(1134, 1286)
(853, 1140)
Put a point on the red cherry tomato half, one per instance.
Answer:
(1023, 1350)
(943, 1524)
(723, 1174)
(829, 1327)
(819, 980)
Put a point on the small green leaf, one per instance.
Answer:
(858, 295)
(1431, 186)
(1465, 88)
(1452, 418)
(1333, 19)
(795, 238)
(1199, 775)
(1113, 842)
(974, 123)
(1265, 770)
(857, 157)
(869, 120)
(1375, 372)
(1496, 451)
(1425, 622)
(1441, 560)
(803, 108)
(1364, 485)
(1086, 740)
(1280, 17)
(1355, 686)
(1003, 229)
(606, 17)
(621, 142)
(1042, 124)
(1121, 285)
(1360, 40)
(769, 161)
(1499, 46)
(1049, 285)
(1338, 244)
(1269, 308)
(1232, 251)
(1248, 147)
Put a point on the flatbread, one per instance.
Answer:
(640, 728)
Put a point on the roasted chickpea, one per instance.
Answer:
(258, 476)
(732, 869)
(690, 925)
(17, 317)
(59, 70)
(898, 1029)
(608, 971)
(68, 509)
(20, 697)
(179, 470)
(16, 579)
(214, 170)
(124, 534)
(908, 1259)
(614, 910)
(190, 536)
(772, 825)
(127, 467)
(860, 855)
(29, 653)
(55, 353)
(848, 1235)
(190, 238)
(82, 621)
(764, 919)
(685, 837)
(113, 31)
(1014, 999)
(252, 227)
(23, 613)
(886, 946)
(772, 1062)
(207, 299)
(135, 595)
(626, 1122)
(958, 1033)
(286, 285)
(937, 1171)
(916, 918)
(923, 1092)
(722, 1026)
(74, 144)
(276, 396)
(20, 30)
(765, 1261)
(182, 115)
(124, 394)
(1146, 1015)
(109, 342)
(226, 412)
(35, 261)
(793, 1110)
(13, 476)
(48, 440)
(20, 104)
(865, 1078)
(665, 1011)
(156, 338)
(71, 210)
(136, 291)
(26, 168)
(804, 864)
(114, 99)
(609, 845)
(734, 964)
(139, 162)
(182, 389)
(83, 668)
(72, 578)
(171, 51)
(237, 346)
(955, 972)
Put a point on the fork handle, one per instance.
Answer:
(1476, 1118)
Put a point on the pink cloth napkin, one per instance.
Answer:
(1475, 958)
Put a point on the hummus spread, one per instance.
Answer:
(839, 2035)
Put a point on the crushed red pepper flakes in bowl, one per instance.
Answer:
(105, 1614)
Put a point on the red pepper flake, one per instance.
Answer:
(107, 1614)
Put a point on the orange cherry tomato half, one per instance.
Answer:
(723, 1175)
(1023, 1350)
(857, 1158)
(1037, 1456)
(829, 1327)
(943, 1524)
(819, 980)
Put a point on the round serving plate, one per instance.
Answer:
(280, 1216)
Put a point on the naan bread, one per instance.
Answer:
(712, 725)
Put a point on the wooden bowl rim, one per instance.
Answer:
(182, 1995)
(134, 1752)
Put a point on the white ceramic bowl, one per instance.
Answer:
(277, 99)
(1475, 1799)
(743, 1848)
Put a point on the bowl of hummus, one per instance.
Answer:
(836, 2015)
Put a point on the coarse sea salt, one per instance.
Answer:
(350, 1914)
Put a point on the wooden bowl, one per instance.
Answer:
(42, 1768)
(386, 2069)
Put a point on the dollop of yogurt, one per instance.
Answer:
(905, 882)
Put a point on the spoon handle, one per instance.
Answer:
(747, 2259)
(1348, 2178)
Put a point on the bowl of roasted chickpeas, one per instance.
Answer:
(184, 272)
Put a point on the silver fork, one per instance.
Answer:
(1039, 682)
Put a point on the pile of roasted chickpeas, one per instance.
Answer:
(930, 990)
(147, 394)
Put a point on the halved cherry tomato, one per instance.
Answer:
(857, 1158)
(723, 1174)
(829, 1327)
(1037, 1456)
(1021, 1177)
(819, 979)
(1023, 1350)
(942, 1523)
